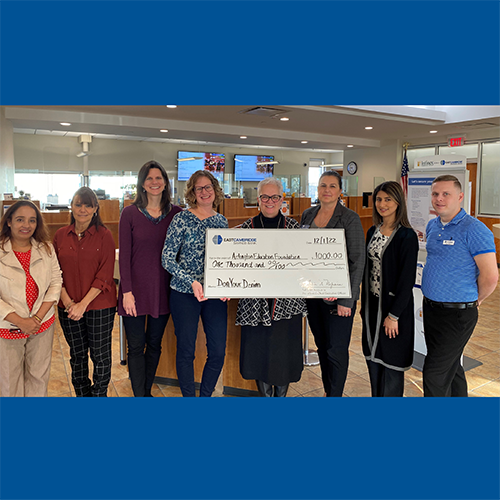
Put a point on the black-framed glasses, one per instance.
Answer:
(208, 188)
(274, 197)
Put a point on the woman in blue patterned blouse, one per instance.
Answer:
(184, 258)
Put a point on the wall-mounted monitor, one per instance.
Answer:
(188, 162)
(252, 168)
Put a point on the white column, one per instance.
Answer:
(6, 154)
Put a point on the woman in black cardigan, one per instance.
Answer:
(387, 298)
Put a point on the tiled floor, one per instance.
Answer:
(483, 380)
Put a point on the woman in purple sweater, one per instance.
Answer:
(144, 284)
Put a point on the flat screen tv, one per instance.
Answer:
(247, 168)
(188, 162)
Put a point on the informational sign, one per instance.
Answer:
(270, 263)
(420, 179)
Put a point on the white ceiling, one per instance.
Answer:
(326, 128)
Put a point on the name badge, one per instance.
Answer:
(448, 242)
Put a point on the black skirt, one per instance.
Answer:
(272, 354)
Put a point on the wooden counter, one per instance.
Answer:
(489, 221)
(233, 382)
(110, 215)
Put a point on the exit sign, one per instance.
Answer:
(453, 142)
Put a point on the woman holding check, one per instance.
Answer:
(331, 319)
(271, 329)
(184, 258)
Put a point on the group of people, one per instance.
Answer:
(161, 262)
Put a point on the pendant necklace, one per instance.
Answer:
(262, 222)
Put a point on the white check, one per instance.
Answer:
(273, 263)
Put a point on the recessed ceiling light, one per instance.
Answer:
(304, 142)
(368, 128)
(433, 131)
(65, 124)
(164, 130)
(350, 145)
(243, 136)
(284, 119)
(171, 106)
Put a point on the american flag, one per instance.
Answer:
(404, 174)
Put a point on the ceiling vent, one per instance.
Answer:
(479, 125)
(261, 111)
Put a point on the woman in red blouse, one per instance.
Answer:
(86, 252)
(30, 284)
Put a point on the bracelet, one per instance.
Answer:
(69, 305)
(392, 319)
(37, 318)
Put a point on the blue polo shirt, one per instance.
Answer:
(450, 273)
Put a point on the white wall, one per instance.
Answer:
(381, 162)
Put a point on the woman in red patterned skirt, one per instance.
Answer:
(30, 285)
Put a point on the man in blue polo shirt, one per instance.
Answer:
(460, 272)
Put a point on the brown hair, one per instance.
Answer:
(87, 197)
(332, 173)
(395, 191)
(448, 178)
(141, 197)
(189, 192)
(41, 234)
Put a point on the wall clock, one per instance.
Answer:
(352, 167)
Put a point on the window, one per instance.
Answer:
(468, 150)
(57, 189)
(412, 154)
(489, 194)
(113, 184)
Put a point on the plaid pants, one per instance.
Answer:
(92, 332)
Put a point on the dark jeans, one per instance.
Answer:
(385, 382)
(144, 350)
(332, 334)
(186, 312)
(92, 332)
(447, 332)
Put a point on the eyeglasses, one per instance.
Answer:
(265, 198)
(208, 188)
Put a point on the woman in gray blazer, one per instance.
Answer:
(331, 319)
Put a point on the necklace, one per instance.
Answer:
(279, 221)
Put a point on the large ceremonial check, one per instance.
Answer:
(274, 263)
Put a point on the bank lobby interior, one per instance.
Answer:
(49, 151)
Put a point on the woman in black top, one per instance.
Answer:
(387, 301)
(271, 329)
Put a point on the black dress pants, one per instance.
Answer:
(385, 382)
(144, 350)
(332, 334)
(447, 332)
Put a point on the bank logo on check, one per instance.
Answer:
(217, 239)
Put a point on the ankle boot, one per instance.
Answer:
(280, 391)
(265, 390)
